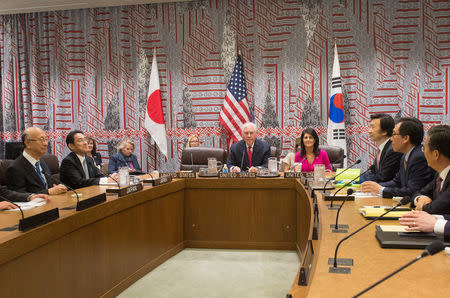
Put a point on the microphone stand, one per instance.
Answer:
(335, 268)
(343, 227)
(345, 185)
(331, 179)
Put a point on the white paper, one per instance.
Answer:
(29, 205)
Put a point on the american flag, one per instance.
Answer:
(235, 111)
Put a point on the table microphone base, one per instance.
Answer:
(339, 270)
(334, 207)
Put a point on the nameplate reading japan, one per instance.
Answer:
(293, 175)
(237, 175)
(125, 190)
(182, 175)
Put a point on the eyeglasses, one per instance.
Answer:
(42, 140)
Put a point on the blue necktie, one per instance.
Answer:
(38, 170)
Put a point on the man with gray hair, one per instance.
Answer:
(248, 153)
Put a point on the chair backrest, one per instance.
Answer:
(194, 158)
(53, 164)
(4, 164)
(335, 154)
(13, 150)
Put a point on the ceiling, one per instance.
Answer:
(18, 6)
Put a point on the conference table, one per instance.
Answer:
(102, 250)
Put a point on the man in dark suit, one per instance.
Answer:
(425, 222)
(414, 172)
(387, 161)
(248, 153)
(28, 173)
(435, 196)
(77, 169)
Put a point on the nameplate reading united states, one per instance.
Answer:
(237, 175)
(182, 175)
(293, 175)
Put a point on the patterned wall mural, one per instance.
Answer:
(89, 69)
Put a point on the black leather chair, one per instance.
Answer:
(194, 158)
(53, 164)
(4, 164)
(335, 154)
(13, 150)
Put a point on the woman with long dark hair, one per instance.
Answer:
(310, 154)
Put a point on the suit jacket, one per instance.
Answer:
(97, 159)
(407, 182)
(239, 154)
(22, 176)
(13, 195)
(119, 160)
(72, 173)
(389, 165)
(440, 204)
(447, 231)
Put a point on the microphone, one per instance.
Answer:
(242, 159)
(36, 220)
(74, 191)
(350, 191)
(192, 163)
(345, 185)
(106, 175)
(20, 208)
(404, 201)
(431, 249)
(348, 168)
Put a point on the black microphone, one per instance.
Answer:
(36, 220)
(348, 168)
(242, 159)
(431, 249)
(192, 163)
(106, 175)
(5, 199)
(345, 185)
(404, 201)
(350, 191)
(74, 191)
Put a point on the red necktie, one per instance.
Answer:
(438, 186)
(249, 156)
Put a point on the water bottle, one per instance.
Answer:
(225, 169)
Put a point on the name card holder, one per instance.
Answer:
(180, 175)
(159, 181)
(293, 175)
(237, 175)
(123, 191)
(90, 202)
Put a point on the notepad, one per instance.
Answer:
(29, 205)
(375, 212)
(394, 228)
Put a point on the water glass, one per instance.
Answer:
(212, 165)
(273, 165)
(319, 175)
(124, 176)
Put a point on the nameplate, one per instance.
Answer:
(37, 220)
(293, 175)
(123, 191)
(180, 175)
(90, 202)
(237, 175)
(159, 181)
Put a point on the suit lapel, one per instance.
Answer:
(28, 167)
(78, 164)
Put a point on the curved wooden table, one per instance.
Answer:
(102, 250)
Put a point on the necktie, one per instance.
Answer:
(85, 168)
(38, 170)
(378, 158)
(404, 164)
(249, 156)
(438, 186)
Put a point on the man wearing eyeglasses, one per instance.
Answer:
(28, 173)
(414, 172)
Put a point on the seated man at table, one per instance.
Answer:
(435, 196)
(414, 172)
(248, 153)
(14, 196)
(78, 169)
(387, 161)
(425, 222)
(28, 173)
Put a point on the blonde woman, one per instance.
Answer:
(193, 141)
(124, 158)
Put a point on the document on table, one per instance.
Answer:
(394, 228)
(359, 194)
(29, 205)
